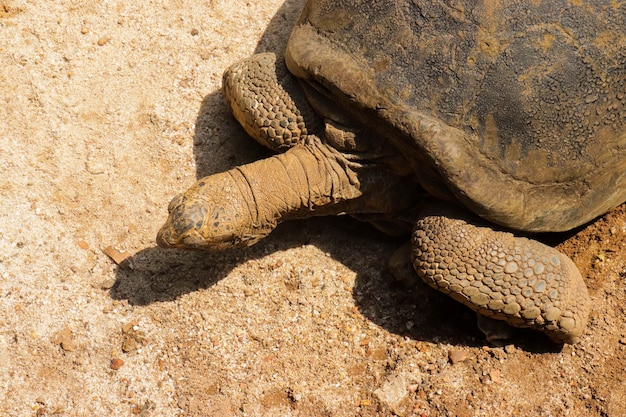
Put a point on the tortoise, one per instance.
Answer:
(469, 125)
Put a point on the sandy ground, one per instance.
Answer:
(110, 108)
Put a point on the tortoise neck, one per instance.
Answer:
(307, 180)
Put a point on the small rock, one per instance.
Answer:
(103, 41)
(134, 337)
(116, 363)
(121, 258)
(64, 338)
(496, 376)
(107, 284)
(456, 355)
(395, 389)
(498, 353)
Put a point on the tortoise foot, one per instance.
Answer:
(521, 281)
(268, 102)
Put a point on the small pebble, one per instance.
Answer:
(121, 258)
(456, 355)
(65, 339)
(496, 376)
(103, 41)
(116, 363)
(107, 284)
(134, 337)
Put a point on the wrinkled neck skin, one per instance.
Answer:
(239, 207)
(307, 180)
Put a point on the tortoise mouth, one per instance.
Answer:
(189, 240)
(169, 237)
(165, 239)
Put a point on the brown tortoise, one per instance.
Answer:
(459, 119)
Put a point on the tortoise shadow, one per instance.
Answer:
(157, 275)
(420, 313)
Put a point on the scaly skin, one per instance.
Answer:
(278, 117)
(501, 276)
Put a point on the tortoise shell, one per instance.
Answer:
(516, 109)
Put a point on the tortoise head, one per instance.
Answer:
(211, 215)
